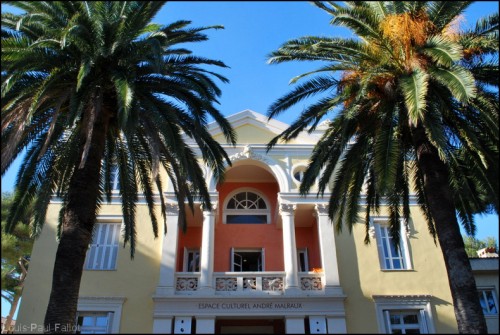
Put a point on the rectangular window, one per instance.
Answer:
(404, 322)
(488, 301)
(391, 257)
(302, 260)
(255, 219)
(94, 322)
(404, 314)
(247, 260)
(104, 247)
(191, 260)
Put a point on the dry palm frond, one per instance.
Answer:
(406, 31)
(347, 79)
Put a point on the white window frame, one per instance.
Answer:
(380, 223)
(266, 211)
(111, 305)
(306, 259)
(419, 304)
(236, 251)
(97, 266)
(193, 251)
(299, 169)
(94, 315)
(482, 289)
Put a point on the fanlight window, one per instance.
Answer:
(247, 207)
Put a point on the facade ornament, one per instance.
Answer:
(321, 209)
(214, 207)
(249, 153)
(171, 209)
(287, 208)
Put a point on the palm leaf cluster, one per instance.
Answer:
(67, 66)
(408, 77)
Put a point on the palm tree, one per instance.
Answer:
(87, 86)
(414, 102)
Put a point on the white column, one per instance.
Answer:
(336, 325)
(289, 248)
(294, 325)
(162, 325)
(205, 324)
(166, 284)
(328, 250)
(207, 250)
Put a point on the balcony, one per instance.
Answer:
(248, 283)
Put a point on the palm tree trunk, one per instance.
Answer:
(468, 311)
(78, 222)
(17, 297)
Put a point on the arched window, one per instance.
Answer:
(246, 207)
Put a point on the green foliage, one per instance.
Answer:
(413, 109)
(472, 245)
(407, 70)
(70, 66)
(16, 250)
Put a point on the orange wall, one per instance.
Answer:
(266, 236)
(307, 237)
(191, 240)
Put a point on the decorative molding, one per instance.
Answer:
(186, 284)
(172, 209)
(287, 208)
(101, 300)
(249, 153)
(402, 299)
(208, 212)
(321, 209)
(311, 284)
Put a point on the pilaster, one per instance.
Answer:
(289, 248)
(166, 283)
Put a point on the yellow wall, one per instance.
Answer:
(361, 277)
(134, 279)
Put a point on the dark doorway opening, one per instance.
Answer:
(250, 326)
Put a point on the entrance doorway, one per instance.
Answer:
(250, 326)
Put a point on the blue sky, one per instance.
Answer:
(253, 29)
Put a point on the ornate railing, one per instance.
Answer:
(266, 282)
(186, 281)
(311, 281)
(248, 282)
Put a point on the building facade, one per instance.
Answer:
(264, 260)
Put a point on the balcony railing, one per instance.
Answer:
(186, 282)
(249, 282)
(311, 281)
(228, 283)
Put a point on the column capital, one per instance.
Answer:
(171, 209)
(212, 211)
(321, 209)
(287, 209)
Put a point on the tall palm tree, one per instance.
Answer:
(414, 102)
(87, 86)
